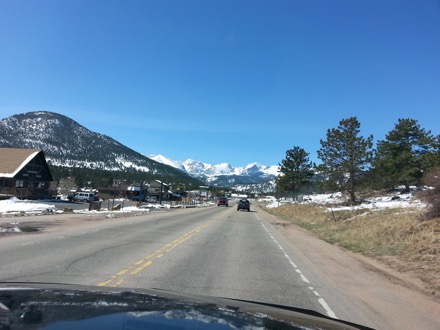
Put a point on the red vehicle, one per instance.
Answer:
(222, 201)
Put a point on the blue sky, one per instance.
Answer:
(223, 81)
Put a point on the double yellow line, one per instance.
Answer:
(119, 278)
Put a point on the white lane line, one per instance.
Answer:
(327, 308)
(321, 300)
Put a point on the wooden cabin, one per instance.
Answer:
(24, 173)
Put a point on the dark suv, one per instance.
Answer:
(243, 204)
(222, 201)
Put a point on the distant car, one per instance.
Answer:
(151, 199)
(243, 204)
(222, 201)
(83, 197)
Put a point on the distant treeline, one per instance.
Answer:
(97, 178)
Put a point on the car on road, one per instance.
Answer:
(222, 201)
(243, 204)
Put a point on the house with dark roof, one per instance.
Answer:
(24, 173)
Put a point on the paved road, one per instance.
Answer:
(213, 251)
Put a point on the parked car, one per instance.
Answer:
(222, 201)
(83, 197)
(144, 198)
(136, 198)
(243, 204)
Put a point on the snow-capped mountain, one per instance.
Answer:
(200, 169)
(68, 144)
(223, 174)
(255, 168)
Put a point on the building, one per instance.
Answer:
(155, 189)
(160, 190)
(24, 173)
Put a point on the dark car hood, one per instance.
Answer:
(60, 306)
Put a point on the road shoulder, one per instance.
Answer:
(379, 296)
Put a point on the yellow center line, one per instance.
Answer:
(119, 282)
(138, 266)
(105, 282)
(141, 268)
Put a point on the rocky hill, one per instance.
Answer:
(68, 144)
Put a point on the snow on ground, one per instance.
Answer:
(15, 206)
(376, 203)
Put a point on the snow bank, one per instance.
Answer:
(14, 205)
(376, 203)
(268, 199)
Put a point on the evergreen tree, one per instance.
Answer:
(345, 155)
(434, 156)
(406, 153)
(295, 170)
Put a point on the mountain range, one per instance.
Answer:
(224, 174)
(68, 144)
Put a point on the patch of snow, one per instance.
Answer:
(167, 161)
(324, 198)
(267, 199)
(374, 204)
(15, 205)
(10, 230)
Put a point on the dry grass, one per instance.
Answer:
(394, 236)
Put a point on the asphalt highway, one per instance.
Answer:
(214, 251)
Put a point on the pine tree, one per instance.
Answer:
(406, 153)
(295, 170)
(345, 155)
